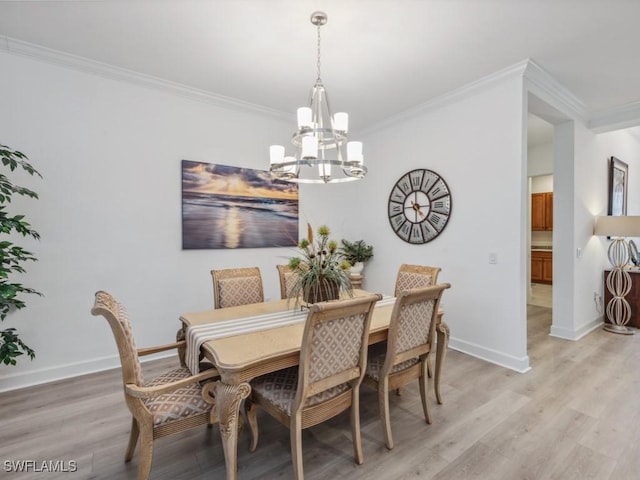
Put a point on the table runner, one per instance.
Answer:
(196, 335)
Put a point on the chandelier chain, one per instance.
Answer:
(318, 59)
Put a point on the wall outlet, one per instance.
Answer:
(493, 258)
(597, 299)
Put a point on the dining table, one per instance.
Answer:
(246, 341)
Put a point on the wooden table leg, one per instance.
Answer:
(228, 398)
(441, 350)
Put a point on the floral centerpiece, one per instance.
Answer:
(321, 270)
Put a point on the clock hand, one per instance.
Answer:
(416, 207)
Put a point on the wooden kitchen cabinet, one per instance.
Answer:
(541, 267)
(542, 211)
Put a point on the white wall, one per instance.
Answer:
(110, 208)
(540, 159)
(542, 183)
(476, 145)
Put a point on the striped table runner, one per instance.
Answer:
(196, 335)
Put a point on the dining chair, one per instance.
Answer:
(409, 342)
(288, 279)
(170, 403)
(237, 286)
(415, 276)
(326, 382)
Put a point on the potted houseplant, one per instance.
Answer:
(356, 253)
(12, 256)
(321, 270)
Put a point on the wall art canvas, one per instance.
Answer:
(618, 173)
(231, 207)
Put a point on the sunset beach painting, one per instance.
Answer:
(231, 207)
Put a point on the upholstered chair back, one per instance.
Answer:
(288, 279)
(237, 286)
(334, 348)
(415, 276)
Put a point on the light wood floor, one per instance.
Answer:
(541, 295)
(575, 415)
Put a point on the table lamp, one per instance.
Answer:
(618, 280)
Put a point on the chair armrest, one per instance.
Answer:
(161, 348)
(150, 392)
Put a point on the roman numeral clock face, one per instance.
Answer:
(419, 206)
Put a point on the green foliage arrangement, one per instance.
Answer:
(12, 256)
(357, 251)
(320, 267)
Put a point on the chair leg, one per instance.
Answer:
(355, 426)
(133, 440)
(296, 445)
(424, 390)
(146, 454)
(181, 350)
(251, 409)
(383, 406)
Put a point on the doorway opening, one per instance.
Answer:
(540, 163)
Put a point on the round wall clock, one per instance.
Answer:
(419, 206)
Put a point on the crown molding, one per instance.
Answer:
(516, 70)
(626, 116)
(75, 62)
(558, 95)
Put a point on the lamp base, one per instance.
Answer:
(620, 329)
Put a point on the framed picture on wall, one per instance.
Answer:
(618, 180)
(232, 207)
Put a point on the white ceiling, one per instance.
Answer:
(379, 57)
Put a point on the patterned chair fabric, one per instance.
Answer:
(409, 343)
(415, 276)
(239, 291)
(184, 402)
(375, 364)
(332, 363)
(288, 280)
(237, 286)
(280, 388)
(155, 413)
(415, 325)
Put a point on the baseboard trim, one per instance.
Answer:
(21, 380)
(520, 365)
(575, 335)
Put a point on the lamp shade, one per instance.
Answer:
(617, 226)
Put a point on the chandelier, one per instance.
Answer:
(322, 152)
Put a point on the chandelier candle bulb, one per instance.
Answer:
(276, 154)
(309, 148)
(354, 152)
(304, 118)
(341, 122)
(324, 170)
